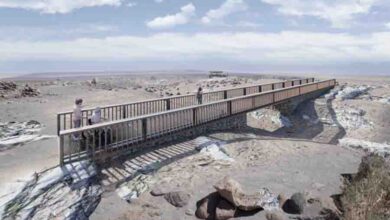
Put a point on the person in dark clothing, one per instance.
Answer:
(199, 95)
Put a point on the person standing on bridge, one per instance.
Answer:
(199, 95)
(96, 116)
(77, 113)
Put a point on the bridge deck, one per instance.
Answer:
(118, 136)
(134, 109)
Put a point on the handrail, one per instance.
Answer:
(133, 109)
(122, 133)
(69, 131)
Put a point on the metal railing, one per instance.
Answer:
(97, 140)
(134, 109)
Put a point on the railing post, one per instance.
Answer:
(61, 149)
(273, 97)
(59, 124)
(124, 113)
(244, 91)
(194, 116)
(144, 128)
(225, 94)
(300, 82)
(229, 108)
(168, 101)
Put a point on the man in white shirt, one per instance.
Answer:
(96, 116)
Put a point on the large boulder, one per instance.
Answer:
(282, 199)
(275, 216)
(206, 207)
(158, 191)
(178, 199)
(224, 210)
(231, 190)
(296, 204)
(161, 189)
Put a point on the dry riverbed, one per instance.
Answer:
(303, 153)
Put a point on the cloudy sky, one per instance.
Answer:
(326, 36)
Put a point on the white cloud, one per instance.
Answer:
(131, 4)
(168, 21)
(340, 13)
(56, 6)
(387, 25)
(284, 48)
(227, 8)
(158, 1)
(248, 24)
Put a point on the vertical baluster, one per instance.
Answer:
(127, 134)
(144, 128)
(71, 121)
(64, 122)
(61, 149)
(163, 124)
(111, 113)
(169, 117)
(153, 125)
(98, 132)
(156, 126)
(133, 130)
(58, 124)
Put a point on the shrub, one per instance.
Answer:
(367, 195)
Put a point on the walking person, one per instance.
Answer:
(77, 113)
(78, 119)
(199, 95)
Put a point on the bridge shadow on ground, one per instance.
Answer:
(125, 168)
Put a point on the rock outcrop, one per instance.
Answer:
(230, 199)
(178, 198)
(28, 91)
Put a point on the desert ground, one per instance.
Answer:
(305, 152)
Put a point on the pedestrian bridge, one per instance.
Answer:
(131, 126)
(134, 109)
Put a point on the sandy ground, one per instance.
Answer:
(302, 158)
(283, 166)
(57, 95)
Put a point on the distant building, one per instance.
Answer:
(217, 74)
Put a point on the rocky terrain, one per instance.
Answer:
(276, 167)
(12, 90)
